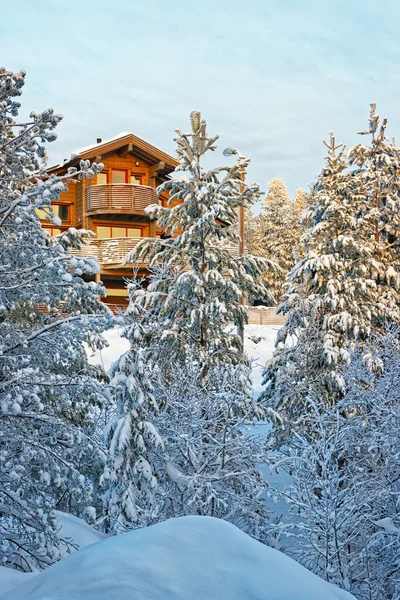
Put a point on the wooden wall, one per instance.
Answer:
(113, 161)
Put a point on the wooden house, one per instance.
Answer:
(112, 204)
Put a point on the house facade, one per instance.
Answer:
(112, 204)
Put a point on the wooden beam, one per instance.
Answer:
(156, 168)
(125, 150)
(97, 159)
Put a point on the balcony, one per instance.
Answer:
(119, 198)
(109, 252)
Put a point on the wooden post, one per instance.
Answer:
(84, 212)
(241, 243)
(152, 228)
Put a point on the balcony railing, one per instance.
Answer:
(110, 252)
(119, 198)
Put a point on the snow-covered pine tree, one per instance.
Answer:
(185, 316)
(200, 299)
(49, 395)
(377, 170)
(344, 520)
(276, 234)
(347, 285)
(129, 479)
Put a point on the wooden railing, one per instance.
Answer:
(119, 197)
(112, 251)
(109, 251)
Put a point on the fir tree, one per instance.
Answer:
(347, 286)
(49, 395)
(275, 235)
(184, 317)
(200, 299)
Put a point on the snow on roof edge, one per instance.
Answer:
(77, 153)
(102, 143)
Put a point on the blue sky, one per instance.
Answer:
(272, 77)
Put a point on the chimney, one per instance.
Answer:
(99, 140)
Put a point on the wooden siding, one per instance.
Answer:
(79, 204)
(124, 163)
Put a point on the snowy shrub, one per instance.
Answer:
(211, 462)
(344, 518)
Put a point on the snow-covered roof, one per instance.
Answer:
(147, 151)
(119, 136)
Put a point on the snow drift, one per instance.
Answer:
(191, 558)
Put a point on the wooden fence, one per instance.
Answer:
(262, 315)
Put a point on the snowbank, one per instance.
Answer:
(10, 578)
(191, 558)
(77, 530)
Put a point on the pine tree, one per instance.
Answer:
(200, 298)
(275, 234)
(184, 317)
(347, 286)
(49, 395)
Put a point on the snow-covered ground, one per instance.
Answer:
(94, 573)
(191, 558)
(77, 531)
(259, 345)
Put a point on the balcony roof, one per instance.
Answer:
(133, 144)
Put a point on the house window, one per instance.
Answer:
(60, 210)
(111, 231)
(102, 178)
(119, 176)
(136, 179)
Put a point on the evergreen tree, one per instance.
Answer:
(200, 297)
(49, 395)
(129, 479)
(184, 317)
(347, 286)
(275, 234)
(301, 200)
